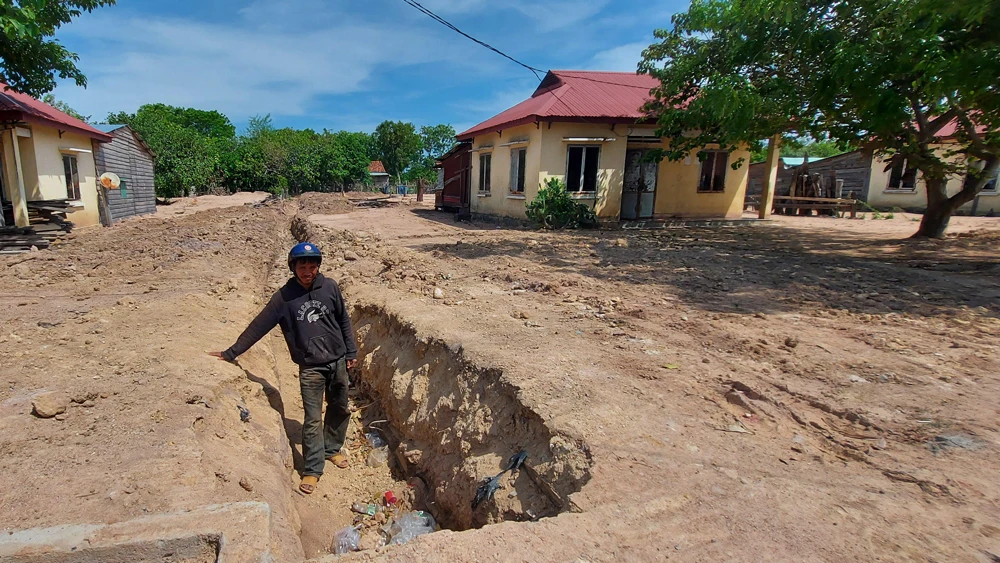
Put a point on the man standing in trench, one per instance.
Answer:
(313, 317)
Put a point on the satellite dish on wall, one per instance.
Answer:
(110, 180)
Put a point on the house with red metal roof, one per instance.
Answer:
(588, 128)
(46, 161)
(376, 171)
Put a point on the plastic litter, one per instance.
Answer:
(516, 461)
(490, 485)
(375, 440)
(390, 498)
(346, 540)
(367, 509)
(378, 456)
(487, 489)
(409, 526)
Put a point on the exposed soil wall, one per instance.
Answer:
(456, 422)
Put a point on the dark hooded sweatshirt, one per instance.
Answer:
(315, 323)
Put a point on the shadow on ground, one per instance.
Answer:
(770, 269)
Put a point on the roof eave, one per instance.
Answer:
(36, 120)
(472, 133)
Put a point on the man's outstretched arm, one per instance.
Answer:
(260, 326)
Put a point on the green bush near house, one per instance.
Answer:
(553, 208)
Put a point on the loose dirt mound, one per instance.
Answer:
(770, 393)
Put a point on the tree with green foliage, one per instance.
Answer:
(64, 107)
(397, 145)
(436, 140)
(30, 58)
(800, 147)
(885, 75)
(188, 144)
(348, 163)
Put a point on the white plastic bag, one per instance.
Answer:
(409, 526)
(378, 457)
(346, 540)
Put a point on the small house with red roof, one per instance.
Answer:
(588, 128)
(46, 156)
(376, 171)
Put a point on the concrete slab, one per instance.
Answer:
(233, 532)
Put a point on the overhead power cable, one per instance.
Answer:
(447, 24)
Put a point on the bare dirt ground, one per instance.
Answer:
(809, 389)
(188, 205)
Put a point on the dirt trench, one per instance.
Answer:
(450, 423)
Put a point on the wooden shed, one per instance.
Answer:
(852, 170)
(128, 156)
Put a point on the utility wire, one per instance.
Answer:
(445, 23)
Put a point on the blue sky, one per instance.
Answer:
(345, 64)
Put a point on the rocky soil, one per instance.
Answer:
(792, 391)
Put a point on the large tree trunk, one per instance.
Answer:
(940, 208)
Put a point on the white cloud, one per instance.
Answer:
(622, 58)
(478, 109)
(558, 14)
(239, 69)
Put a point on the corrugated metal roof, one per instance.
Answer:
(577, 95)
(15, 106)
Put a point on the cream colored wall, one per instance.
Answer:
(51, 175)
(677, 192)
(500, 201)
(917, 199)
(607, 201)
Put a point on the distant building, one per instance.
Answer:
(380, 178)
(128, 156)
(864, 176)
(46, 161)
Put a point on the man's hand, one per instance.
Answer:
(351, 364)
(218, 355)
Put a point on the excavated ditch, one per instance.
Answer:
(452, 423)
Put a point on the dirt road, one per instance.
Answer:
(809, 391)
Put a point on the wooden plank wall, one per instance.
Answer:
(852, 167)
(127, 158)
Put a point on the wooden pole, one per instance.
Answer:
(771, 180)
(19, 201)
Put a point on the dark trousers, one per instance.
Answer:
(321, 438)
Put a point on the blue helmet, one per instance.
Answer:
(303, 250)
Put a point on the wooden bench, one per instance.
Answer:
(787, 204)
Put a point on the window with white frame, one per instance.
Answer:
(517, 158)
(582, 163)
(902, 177)
(72, 177)
(485, 165)
(713, 171)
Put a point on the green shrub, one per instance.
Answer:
(553, 208)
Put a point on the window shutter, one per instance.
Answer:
(514, 154)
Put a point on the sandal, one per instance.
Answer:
(340, 460)
(308, 485)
